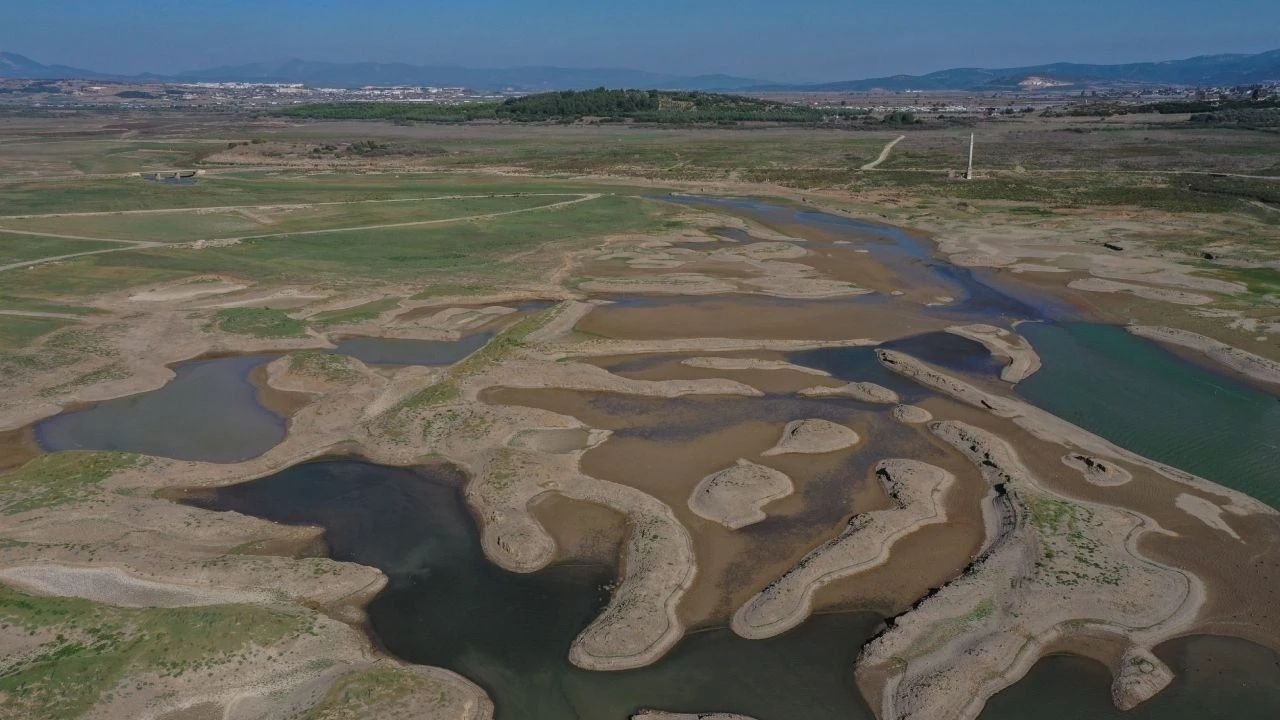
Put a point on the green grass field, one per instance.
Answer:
(457, 253)
(360, 313)
(67, 156)
(259, 322)
(18, 331)
(188, 225)
(116, 194)
(91, 648)
(21, 248)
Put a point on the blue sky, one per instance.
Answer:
(788, 41)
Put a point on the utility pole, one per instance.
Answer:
(969, 174)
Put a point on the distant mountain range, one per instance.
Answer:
(1205, 70)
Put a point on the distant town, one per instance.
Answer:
(240, 96)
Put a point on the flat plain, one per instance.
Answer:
(614, 338)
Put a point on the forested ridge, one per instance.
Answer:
(569, 105)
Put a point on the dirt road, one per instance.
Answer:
(884, 153)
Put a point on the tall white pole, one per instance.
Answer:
(969, 175)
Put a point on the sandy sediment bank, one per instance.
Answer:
(1178, 297)
(581, 376)
(916, 490)
(1051, 428)
(562, 324)
(188, 289)
(1206, 512)
(867, 392)
(734, 496)
(813, 436)
(661, 715)
(1023, 359)
(911, 414)
(769, 269)
(596, 348)
(1056, 568)
(668, 284)
(1241, 361)
(1141, 677)
(732, 363)
(640, 623)
(114, 586)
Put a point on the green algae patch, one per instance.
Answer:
(60, 479)
(259, 322)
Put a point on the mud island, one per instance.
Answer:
(472, 421)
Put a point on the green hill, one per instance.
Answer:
(659, 106)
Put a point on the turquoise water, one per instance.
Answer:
(1148, 400)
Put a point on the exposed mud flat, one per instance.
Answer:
(17, 447)
(641, 317)
(646, 476)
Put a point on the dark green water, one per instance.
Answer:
(1217, 677)
(1148, 400)
(447, 605)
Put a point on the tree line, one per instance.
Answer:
(655, 106)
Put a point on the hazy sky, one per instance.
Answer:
(790, 41)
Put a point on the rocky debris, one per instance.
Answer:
(911, 414)
(1142, 675)
(813, 436)
(1096, 471)
(734, 496)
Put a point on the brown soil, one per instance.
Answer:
(17, 447)
(281, 402)
(829, 488)
(583, 531)
(669, 367)
(744, 316)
